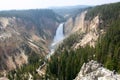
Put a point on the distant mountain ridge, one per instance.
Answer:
(68, 11)
(71, 7)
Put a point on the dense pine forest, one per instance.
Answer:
(66, 62)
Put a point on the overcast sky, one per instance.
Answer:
(36, 4)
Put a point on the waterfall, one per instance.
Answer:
(59, 36)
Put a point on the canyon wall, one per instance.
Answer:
(21, 38)
(88, 28)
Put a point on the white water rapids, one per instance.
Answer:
(59, 36)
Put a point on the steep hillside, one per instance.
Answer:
(94, 35)
(23, 34)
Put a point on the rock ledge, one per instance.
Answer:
(94, 71)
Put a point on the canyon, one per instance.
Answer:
(34, 43)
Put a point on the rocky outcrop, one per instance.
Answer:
(95, 71)
(4, 78)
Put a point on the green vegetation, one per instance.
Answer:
(65, 66)
(108, 47)
(108, 13)
(66, 62)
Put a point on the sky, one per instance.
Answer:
(37, 4)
